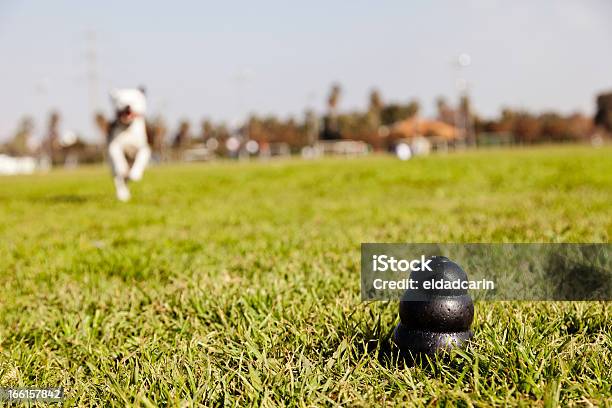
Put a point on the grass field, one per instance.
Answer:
(238, 283)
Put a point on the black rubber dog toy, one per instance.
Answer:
(435, 320)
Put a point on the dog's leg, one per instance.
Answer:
(118, 160)
(120, 169)
(140, 163)
(123, 192)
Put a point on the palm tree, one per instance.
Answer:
(374, 115)
(333, 99)
(376, 103)
(445, 112)
(207, 130)
(330, 122)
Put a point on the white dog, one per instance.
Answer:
(127, 139)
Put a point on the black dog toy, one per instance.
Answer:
(435, 320)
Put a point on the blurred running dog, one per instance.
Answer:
(128, 148)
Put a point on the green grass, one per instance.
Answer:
(238, 283)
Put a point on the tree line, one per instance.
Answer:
(372, 125)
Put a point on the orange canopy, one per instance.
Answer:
(412, 127)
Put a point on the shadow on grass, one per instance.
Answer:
(577, 274)
(68, 199)
(381, 346)
(390, 356)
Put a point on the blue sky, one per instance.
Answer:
(225, 59)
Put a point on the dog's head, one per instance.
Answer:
(129, 104)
